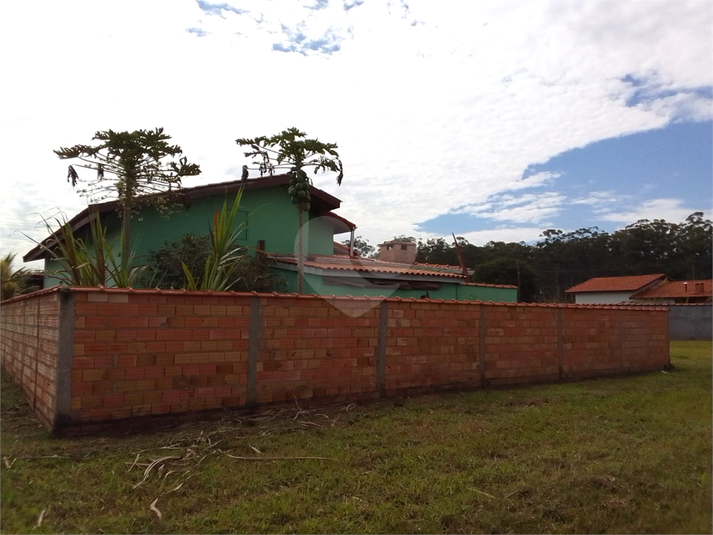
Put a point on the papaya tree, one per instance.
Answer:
(291, 150)
(136, 167)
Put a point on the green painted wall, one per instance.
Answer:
(265, 214)
(486, 293)
(321, 236)
(51, 266)
(315, 285)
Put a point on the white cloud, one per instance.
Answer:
(516, 234)
(668, 209)
(433, 105)
(522, 208)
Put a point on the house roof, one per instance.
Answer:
(339, 223)
(371, 265)
(340, 249)
(322, 203)
(398, 242)
(617, 284)
(676, 289)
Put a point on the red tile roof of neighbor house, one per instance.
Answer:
(371, 265)
(617, 284)
(675, 289)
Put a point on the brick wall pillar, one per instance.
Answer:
(65, 354)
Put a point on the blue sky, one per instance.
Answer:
(610, 183)
(493, 120)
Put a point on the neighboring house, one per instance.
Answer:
(677, 292)
(613, 290)
(402, 251)
(266, 214)
(345, 275)
(269, 221)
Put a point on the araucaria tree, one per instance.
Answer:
(135, 166)
(290, 149)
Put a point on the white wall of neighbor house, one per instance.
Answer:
(601, 298)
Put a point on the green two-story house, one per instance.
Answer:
(269, 223)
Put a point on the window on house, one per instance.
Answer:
(389, 247)
(404, 247)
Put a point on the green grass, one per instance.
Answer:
(627, 454)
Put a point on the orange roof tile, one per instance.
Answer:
(616, 284)
(371, 265)
(673, 289)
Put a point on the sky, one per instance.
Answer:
(490, 120)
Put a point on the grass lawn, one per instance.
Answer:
(629, 454)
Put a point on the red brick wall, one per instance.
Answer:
(432, 343)
(140, 353)
(312, 349)
(29, 330)
(144, 353)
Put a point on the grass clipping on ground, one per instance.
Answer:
(627, 454)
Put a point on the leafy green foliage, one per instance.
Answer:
(290, 149)
(165, 268)
(505, 270)
(135, 166)
(12, 281)
(362, 247)
(213, 262)
(220, 263)
(89, 262)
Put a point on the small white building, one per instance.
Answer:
(613, 290)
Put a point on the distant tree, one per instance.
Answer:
(403, 237)
(164, 268)
(436, 251)
(697, 246)
(362, 247)
(134, 166)
(509, 271)
(290, 149)
(12, 281)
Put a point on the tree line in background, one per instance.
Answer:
(560, 260)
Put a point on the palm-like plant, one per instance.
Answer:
(224, 254)
(89, 263)
(12, 282)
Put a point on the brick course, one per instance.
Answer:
(28, 348)
(146, 352)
